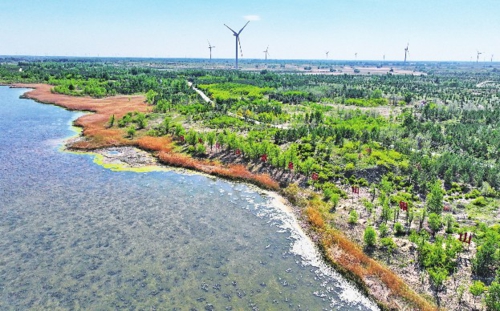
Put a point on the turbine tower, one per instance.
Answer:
(356, 55)
(266, 52)
(407, 52)
(210, 47)
(237, 35)
(327, 52)
(491, 60)
(477, 57)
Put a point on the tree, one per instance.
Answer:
(211, 139)
(353, 217)
(434, 222)
(493, 296)
(437, 276)
(370, 236)
(477, 288)
(131, 131)
(150, 97)
(389, 244)
(487, 257)
(434, 200)
(111, 120)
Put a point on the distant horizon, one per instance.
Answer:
(446, 30)
(250, 59)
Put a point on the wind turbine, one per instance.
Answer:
(356, 55)
(477, 57)
(384, 57)
(210, 47)
(266, 52)
(491, 60)
(237, 35)
(407, 52)
(327, 52)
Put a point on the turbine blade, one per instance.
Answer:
(243, 27)
(231, 29)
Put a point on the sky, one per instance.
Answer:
(436, 30)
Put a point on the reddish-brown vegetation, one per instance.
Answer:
(352, 258)
(95, 125)
(155, 143)
(314, 217)
(338, 248)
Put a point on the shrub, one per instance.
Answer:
(434, 222)
(477, 288)
(200, 149)
(437, 276)
(383, 229)
(370, 236)
(131, 131)
(400, 230)
(480, 201)
(493, 297)
(389, 244)
(353, 217)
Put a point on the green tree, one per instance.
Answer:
(493, 296)
(370, 236)
(111, 120)
(211, 139)
(400, 229)
(437, 276)
(151, 96)
(131, 131)
(434, 222)
(353, 217)
(487, 257)
(434, 200)
(140, 119)
(477, 288)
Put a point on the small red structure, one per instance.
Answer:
(290, 166)
(263, 158)
(217, 146)
(403, 205)
(463, 238)
(181, 138)
(237, 151)
(314, 176)
(369, 150)
(355, 189)
(200, 140)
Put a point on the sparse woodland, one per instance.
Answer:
(421, 150)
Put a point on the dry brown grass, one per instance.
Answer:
(353, 259)
(155, 143)
(95, 128)
(314, 217)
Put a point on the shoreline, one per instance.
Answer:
(96, 136)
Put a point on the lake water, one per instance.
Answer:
(74, 235)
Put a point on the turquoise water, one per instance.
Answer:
(74, 235)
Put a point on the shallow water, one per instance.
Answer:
(75, 235)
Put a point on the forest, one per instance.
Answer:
(423, 149)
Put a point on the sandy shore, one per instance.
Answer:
(115, 149)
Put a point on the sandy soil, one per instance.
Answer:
(98, 135)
